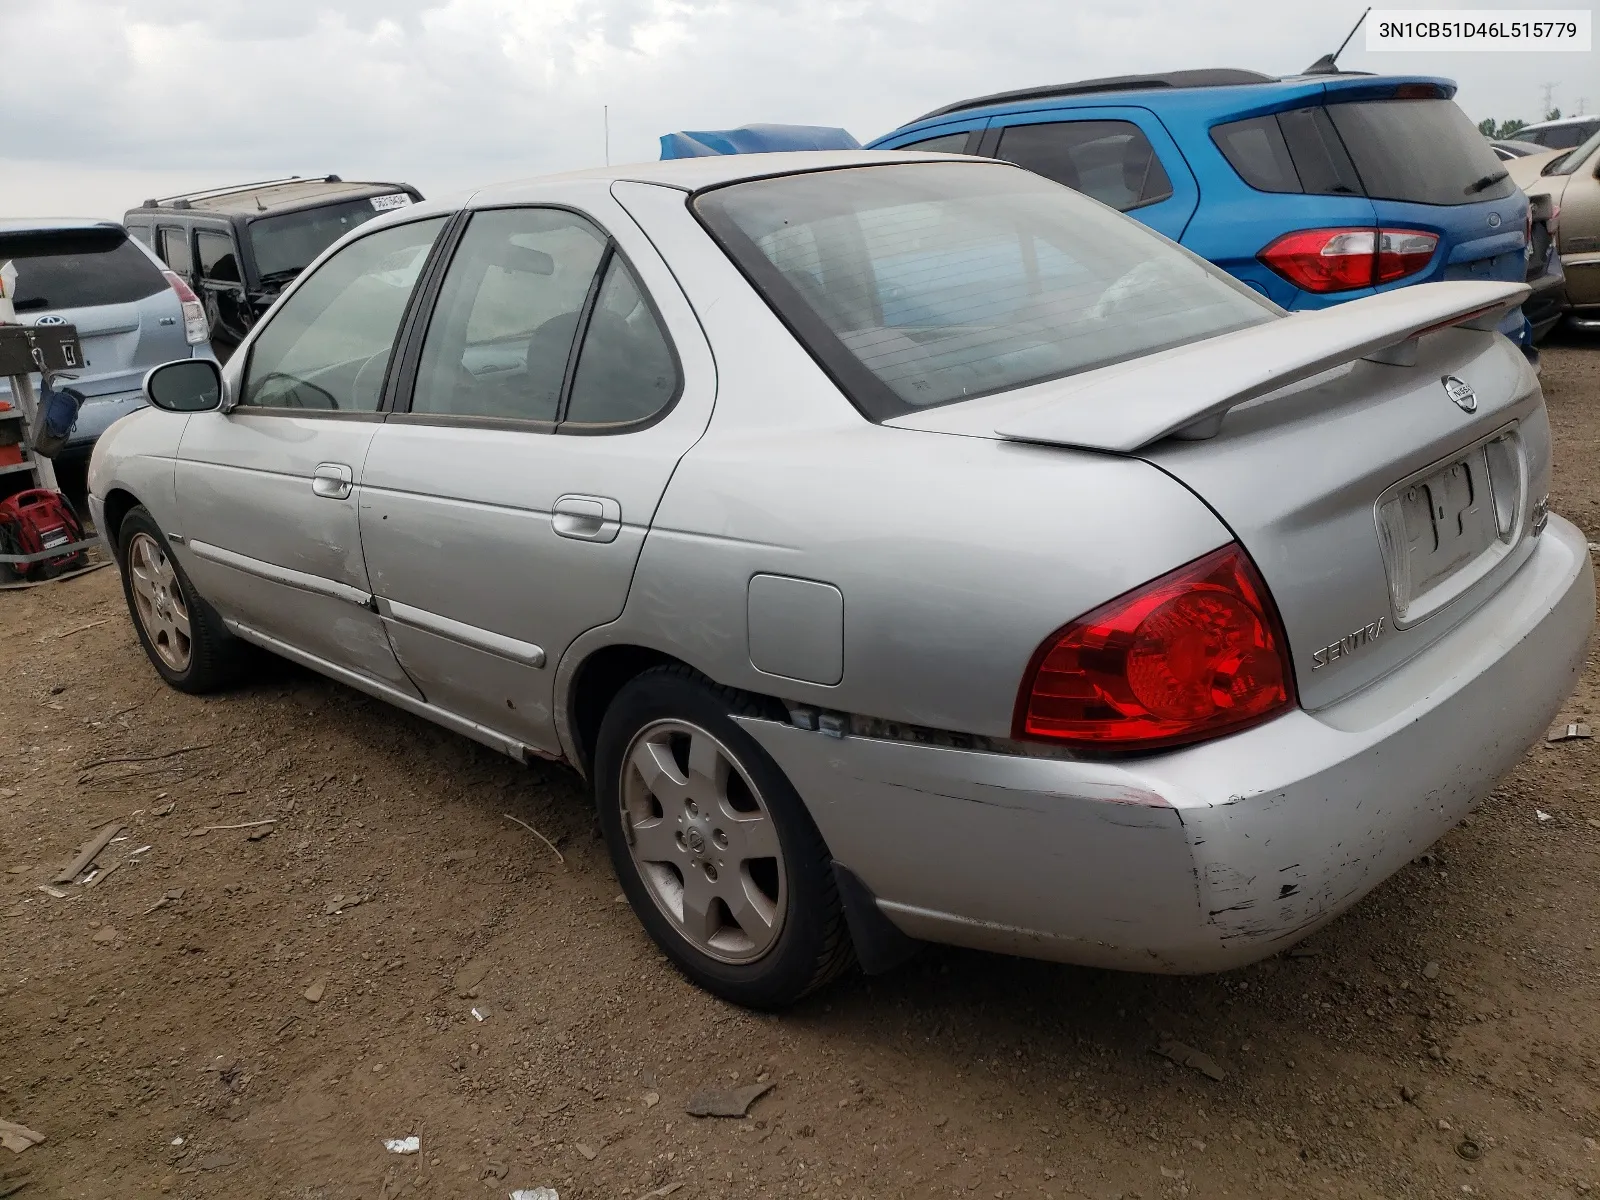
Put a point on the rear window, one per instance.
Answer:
(78, 268)
(285, 245)
(1421, 151)
(922, 284)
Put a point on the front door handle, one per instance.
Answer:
(331, 481)
(587, 518)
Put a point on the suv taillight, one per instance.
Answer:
(1341, 260)
(1197, 653)
(195, 327)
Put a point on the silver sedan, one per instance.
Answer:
(904, 547)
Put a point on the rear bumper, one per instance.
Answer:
(1217, 855)
(1548, 303)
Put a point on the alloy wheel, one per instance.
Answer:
(703, 841)
(158, 599)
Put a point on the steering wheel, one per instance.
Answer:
(296, 383)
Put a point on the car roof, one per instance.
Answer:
(1209, 77)
(55, 224)
(271, 196)
(696, 174)
(1517, 144)
(1224, 89)
(1558, 122)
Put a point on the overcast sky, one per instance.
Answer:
(108, 102)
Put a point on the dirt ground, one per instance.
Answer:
(504, 1006)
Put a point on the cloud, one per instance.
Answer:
(447, 94)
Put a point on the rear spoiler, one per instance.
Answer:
(1186, 392)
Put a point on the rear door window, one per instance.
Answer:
(218, 262)
(1112, 161)
(174, 251)
(508, 313)
(945, 143)
(626, 369)
(79, 268)
(1419, 152)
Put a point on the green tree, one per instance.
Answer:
(1487, 127)
(1510, 129)
(1553, 115)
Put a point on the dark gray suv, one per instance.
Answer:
(239, 247)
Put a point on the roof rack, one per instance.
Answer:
(1204, 77)
(187, 199)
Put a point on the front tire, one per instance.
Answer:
(181, 634)
(713, 847)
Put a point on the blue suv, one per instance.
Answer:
(1313, 189)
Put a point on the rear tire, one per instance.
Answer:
(712, 845)
(182, 635)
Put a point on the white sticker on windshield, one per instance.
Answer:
(385, 203)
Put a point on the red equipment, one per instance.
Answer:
(37, 520)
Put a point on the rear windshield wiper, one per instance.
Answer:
(1488, 181)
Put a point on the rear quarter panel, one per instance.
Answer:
(956, 556)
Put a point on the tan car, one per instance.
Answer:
(1571, 179)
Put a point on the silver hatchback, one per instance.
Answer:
(905, 548)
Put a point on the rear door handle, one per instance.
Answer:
(331, 481)
(587, 518)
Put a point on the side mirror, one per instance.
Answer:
(187, 386)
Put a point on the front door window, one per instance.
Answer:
(328, 347)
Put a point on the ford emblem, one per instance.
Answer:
(1461, 392)
(51, 319)
(1494, 220)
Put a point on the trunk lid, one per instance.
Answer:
(1381, 498)
(1379, 512)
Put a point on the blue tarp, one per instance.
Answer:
(755, 139)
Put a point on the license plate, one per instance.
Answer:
(1440, 526)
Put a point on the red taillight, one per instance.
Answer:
(1194, 654)
(195, 327)
(1403, 252)
(1341, 260)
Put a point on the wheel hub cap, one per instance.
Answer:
(703, 841)
(158, 601)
